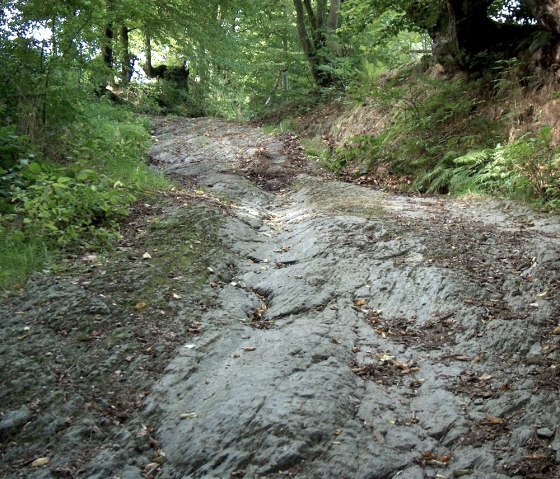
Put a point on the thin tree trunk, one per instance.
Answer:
(107, 49)
(334, 12)
(302, 31)
(127, 65)
(148, 68)
(311, 15)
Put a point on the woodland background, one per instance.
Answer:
(449, 97)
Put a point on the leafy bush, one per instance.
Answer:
(528, 168)
(70, 206)
(48, 207)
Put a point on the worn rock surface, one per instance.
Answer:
(306, 328)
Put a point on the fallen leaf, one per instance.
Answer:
(176, 296)
(150, 469)
(486, 377)
(139, 306)
(537, 457)
(492, 420)
(249, 348)
(188, 415)
(359, 302)
(385, 357)
(381, 332)
(147, 256)
(40, 461)
(556, 330)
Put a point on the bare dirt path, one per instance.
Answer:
(304, 327)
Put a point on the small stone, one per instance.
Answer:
(545, 433)
(478, 402)
(13, 421)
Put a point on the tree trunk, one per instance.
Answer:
(107, 48)
(333, 16)
(466, 37)
(148, 68)
(547, 12)
(315, 41)
(308, 47)
(127, 62)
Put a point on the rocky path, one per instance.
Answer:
(319, 329)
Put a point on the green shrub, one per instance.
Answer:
(527, 168)
(70, 206)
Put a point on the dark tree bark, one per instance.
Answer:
(315, 29)
(547, 12)
(148, 68)
(107, 48)
(466, 37)
(178, 75)
(127, 61)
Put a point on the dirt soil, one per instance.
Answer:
(264, 320)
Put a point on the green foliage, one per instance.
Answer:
(527, 168)
(21, 256)
(442, 136)
(324, 155)
(70, 206)
(360, 149)
(77, 202)
(433, 122)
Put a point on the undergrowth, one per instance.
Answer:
(72, 204)
(443, 134)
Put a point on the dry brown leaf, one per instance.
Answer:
(359, 302)
(139, 306)
(150, 469)
(249, 348)
(492, 420)
(556, 330)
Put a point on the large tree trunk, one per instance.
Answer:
(307, 46)
(547, 12)
(466, 37)
(322, 25)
